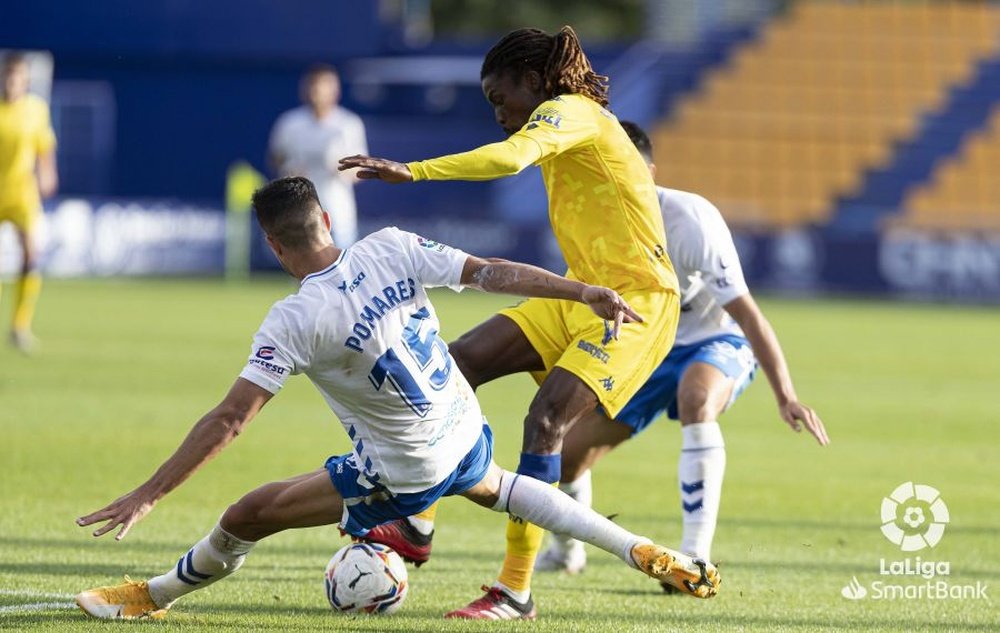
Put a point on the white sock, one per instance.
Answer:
(518, 596)
(212, 558)
(423, 526)
(582, 491)
(700, 471)
(549, 508)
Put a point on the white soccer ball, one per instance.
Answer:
(366, 578)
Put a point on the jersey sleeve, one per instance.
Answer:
(45, 139)
(279, 349)
(554, 127)
(718, 260)
(496, 160)
(434, 263)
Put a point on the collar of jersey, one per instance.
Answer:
(329, 268)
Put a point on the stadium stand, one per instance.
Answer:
(824, 98)
(963, 193)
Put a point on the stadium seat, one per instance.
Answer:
(964, 192)
(821, 97)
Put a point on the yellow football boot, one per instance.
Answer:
(689, 575)
(127, 601)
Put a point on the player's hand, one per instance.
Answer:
(608, 304)
(798, 415)
(125, 511)
(376, 168)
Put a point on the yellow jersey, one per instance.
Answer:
(602, 199)
(25, 134)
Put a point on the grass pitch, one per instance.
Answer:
(907, 392)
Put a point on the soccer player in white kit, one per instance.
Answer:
(721, 337)
(362, 328)
(309, 141)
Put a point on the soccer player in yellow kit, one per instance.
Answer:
(605, 215)
(26, 142)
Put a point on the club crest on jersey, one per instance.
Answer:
(430, 244)
(265, 352)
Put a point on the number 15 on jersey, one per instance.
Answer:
(428, 351)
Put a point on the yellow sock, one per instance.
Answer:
(428, 514)
(523, 542)
(28, 287)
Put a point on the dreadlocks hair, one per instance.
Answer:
(558, 59)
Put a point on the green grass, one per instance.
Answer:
(907, 392)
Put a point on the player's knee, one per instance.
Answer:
(544, 427)
(246, 516)
(695, 403)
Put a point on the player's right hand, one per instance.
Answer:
(608, 304)
(376, 168)
(125, 511)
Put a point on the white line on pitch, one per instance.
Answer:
(37, 606)
(30, 593)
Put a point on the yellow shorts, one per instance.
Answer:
(23, 218)
(567, 334)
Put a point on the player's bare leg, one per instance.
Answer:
(29, 285)
(495, 348)
(305, 501)
(703, 395)
(561, 400)
(585, 443)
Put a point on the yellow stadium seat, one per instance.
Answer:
(798, 116)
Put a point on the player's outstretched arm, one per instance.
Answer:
(495, 160)
(506, 277)
(766, 348)
(211, 434)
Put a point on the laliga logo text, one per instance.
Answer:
(914, 518)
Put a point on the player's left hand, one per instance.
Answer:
(608, 304)
(798, 415)
(125, 511)
(376, 168)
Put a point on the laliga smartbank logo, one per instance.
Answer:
(914, 517)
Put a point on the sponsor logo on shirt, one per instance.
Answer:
(547, 115)
(594, 351)
(268, 367)
(430, 244)
(265, 352)
(351, 287)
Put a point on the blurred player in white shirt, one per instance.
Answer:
(721, 337)
(362, 328)
(309, 140)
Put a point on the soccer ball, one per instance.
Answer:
(366, 578)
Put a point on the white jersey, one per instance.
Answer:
(701, 248)
(312, 148)
(365, 333)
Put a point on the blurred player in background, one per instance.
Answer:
(606, 219)
(27, 174)
(363, 329)
(721, 331)
(308, 141)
